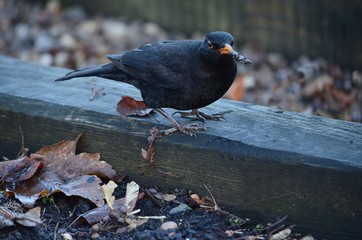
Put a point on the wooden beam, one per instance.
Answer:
(259, 162)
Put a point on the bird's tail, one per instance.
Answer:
(104, 70)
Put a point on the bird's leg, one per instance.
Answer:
(202, 116)
(182, 128)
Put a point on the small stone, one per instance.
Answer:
(67, 236)
(168, 225)
(95, 236)
(95, 228)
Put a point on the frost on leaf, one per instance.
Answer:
(59, 170)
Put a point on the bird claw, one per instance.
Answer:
(179, 127)
(194, 112)
(187, 130)
(203, 116)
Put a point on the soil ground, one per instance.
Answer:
(59, 211)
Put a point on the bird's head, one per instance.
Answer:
(219, 44)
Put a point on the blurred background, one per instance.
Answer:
(307, 54)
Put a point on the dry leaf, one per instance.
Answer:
(131, 194)
(281, 235)
(108, 190)
(63, 172)
(128, 106)
(20, 169)
(205, 201)
(96, 215)
(29, 219)
(149, 154)
(165, 196)
(134, 223)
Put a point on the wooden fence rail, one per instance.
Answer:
(260, 161)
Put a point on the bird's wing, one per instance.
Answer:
(159, 64)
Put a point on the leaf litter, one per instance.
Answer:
(57, 168)
(53, 169)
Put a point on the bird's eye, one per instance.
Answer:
(210, 45)
(231, 43)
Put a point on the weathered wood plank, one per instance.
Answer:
(260, 161)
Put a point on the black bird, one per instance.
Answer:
(179, 74)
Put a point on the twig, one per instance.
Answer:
(216, 207)
(23, 151)
(276, 223)
(151, 198)
(219, 210)
(55, 231)
(133, 212)
(152, 217)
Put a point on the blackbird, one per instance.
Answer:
(179, 74)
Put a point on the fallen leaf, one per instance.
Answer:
(108, 190)
(281, 235)
(28, 219)
(20, 169)
(149, 154)
(205, 201)
(63, 171)
(131, 194)
(96, 215)
(165, 196)
(169, 197)
(129, 106)
(134, 223)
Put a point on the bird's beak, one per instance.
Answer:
(227, 49)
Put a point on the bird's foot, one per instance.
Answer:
(202, 116)
(185, 129)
